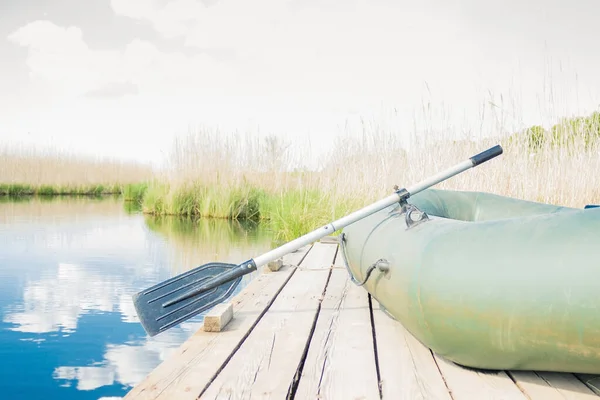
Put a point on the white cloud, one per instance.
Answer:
(129, 363)
(56, 303)
(173, 90)
(171, 20)
(65, 62)
(312, 56)
(245, 26)
(88, 378)
(301, 66)
(60, 57)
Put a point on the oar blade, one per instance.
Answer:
(157, 316)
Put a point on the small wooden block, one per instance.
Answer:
(275, 265)
(217, 318)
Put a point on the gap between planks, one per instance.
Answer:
(194, 365)
(267, 362)
(407, 368)
(532, 385)
(552, 386)
(340, 363)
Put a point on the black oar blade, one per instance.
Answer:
(157, 315)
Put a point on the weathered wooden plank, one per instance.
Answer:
(552, 386)
(330, 239)
(320, 257)
(407, 368)
(193, 366)
(341, 359)
(266, 363)
(469, 384)
(590, 380)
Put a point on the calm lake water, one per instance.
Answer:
(68, 269)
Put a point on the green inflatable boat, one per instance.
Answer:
(486, 281)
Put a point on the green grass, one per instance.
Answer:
(288, 214)
(134, 192)
(154, 199)
(291, 214)
(236, 203)
(131, 192)
(16, 189)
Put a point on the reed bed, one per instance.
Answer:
(247, 177)
(26, 171)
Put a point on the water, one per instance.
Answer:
(68, 269)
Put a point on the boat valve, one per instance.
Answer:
(382, 265)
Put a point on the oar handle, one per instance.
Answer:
(450, 172)
(486, 155)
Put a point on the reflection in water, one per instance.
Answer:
(126, 363)
(68, 269)
(55, 303)
(196, 242)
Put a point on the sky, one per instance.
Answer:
(122, 78)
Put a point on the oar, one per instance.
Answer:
(177, 299)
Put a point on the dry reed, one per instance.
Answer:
(54, 172)
(245, 176)
(367, 164)
(562, 174)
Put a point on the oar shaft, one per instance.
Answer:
(442, 176)
(377, 206)
(324, 230)
(173, 308)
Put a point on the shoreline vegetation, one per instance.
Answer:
(244, 177)
(30, 172)
(17, 189)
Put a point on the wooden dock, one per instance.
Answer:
(307, 332)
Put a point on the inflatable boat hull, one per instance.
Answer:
(487, 281)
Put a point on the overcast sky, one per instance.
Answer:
(122, 77)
